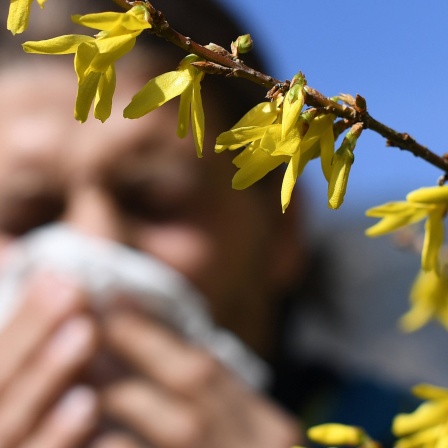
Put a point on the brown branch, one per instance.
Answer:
(232, 66)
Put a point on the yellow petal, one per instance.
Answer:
(273, 143)
(289, 180)
(183, 120)
(429, 195)
(326, 145)
(59, 45)
(263, 114)
(254, 164)
(18, 16)
(132, 20)
(157, 92)
(432, 243)
(336, 434)
(241, 136)
(291, 113)
(86, 93)
(197, 117)
(110, 50)
(104, 94)
(395, 215)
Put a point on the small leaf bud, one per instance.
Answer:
(243, 44)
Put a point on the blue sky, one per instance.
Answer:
(392, 53)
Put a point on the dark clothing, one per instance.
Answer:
(317, 394)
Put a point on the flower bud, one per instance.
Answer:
(341, 164)
(243, 44)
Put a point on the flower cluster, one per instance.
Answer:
(429, 294)
(428, 424)
(281, 132)
(186, 82)
(95, 56)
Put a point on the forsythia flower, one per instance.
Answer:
(430, 203)
(95, 56)
(429, 299)
(186, 82)
(427, 426)
(19, 14)
(268, 143)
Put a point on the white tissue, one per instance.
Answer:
(109, 270)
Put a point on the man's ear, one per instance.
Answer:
(289, 251)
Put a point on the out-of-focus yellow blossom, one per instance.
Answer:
(430, 203)
(340, 167)
(266, 149)
(429, 299)
(338, 434)
(19, 14)
(186, 82)
(95, 56)
(427, 426)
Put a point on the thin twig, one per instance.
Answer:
(236, 67)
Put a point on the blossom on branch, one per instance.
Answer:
(19, 14)
(184, 82)
(276, 133)
(95, 56)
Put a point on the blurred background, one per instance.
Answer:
(395, 55)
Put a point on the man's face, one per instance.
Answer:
(135, 182)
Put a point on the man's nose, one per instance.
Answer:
(93, 212)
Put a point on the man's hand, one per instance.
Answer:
(182, 397)
(42, 348)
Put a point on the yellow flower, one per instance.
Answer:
(266, 148)
(19, 14)
(186, 82)
(427, 426)
(429, 299)
(337, 434)
(430, 203)
(95, 56)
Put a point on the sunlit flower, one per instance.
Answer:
(19, 14)
(427, 426)
(430, 203)
(429, 299)
(265, 148)
(184, 82)
(95, 56)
